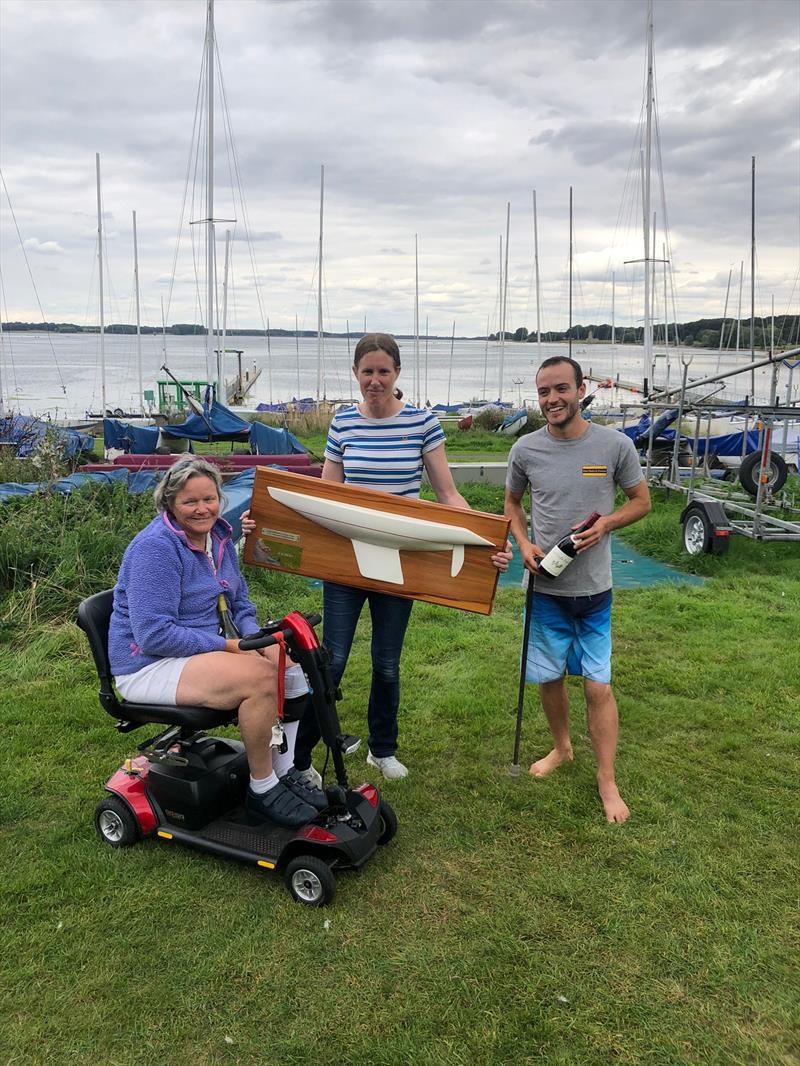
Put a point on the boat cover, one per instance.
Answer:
(27, 433)
(726, 444)
(218, 424)
(307, 403)
(267, 440)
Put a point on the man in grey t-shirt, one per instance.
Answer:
(573, 468)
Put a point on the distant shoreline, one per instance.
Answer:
(701, 332)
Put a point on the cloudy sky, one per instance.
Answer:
(429, 116)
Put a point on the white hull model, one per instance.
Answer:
(379, 536)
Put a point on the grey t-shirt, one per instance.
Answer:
(568, 480)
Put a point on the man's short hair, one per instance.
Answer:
(576, 367)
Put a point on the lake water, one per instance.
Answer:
(58, 374)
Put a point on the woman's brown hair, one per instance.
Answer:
(378, 342)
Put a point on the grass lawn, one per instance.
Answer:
(506, 923)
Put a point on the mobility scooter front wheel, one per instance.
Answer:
(115, 823)
(310, 880)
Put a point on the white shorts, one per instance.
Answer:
(156, 683)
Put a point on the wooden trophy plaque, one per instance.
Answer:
(374, 540)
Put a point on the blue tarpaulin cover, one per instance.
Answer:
(726, 444)
(218, 423)
(267, 440)
(28, 433)
(122, 436)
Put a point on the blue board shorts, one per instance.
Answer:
(569, 635)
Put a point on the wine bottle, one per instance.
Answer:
(227, 626)
(561, 554)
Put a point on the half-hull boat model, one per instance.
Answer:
(369, 539)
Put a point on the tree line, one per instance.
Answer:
(703, 333)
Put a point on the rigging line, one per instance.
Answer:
(233, 153)
(195, 141)
(33, 283)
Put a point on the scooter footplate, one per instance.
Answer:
(267, 840)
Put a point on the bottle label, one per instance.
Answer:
(555, 561)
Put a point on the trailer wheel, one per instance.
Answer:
(697, 531)
(751, 467)
(310, 880)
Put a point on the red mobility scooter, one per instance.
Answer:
(187, 787)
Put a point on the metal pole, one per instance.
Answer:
(664, 394)
(319, 286)
(138, 315)
(569, 328)
(753, 279)
(269, 359)
(504, 307)
(513, 770)
(102, 313)
(297, 354)
(538, 291)
(416, 319)
(724, 316)
(210, 187)
(450, 375)
(427, 397)
(222, 395)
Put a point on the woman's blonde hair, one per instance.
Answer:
(178, 474)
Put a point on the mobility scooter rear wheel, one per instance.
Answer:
(310, 881)
(115, 823)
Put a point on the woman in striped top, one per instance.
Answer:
(381, 443)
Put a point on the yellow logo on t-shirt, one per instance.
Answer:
(594, 471)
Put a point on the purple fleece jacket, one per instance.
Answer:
(165, 599)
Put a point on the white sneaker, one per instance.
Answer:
(310, 777)
(389, 766)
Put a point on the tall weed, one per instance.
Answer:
(55, 550)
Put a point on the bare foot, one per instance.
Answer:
(615, 807)
(545, 766)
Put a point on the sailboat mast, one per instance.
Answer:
(503, 309)
(648, 323)
(222, 395)
(269, 359)
(536, 268)
(416, 320)
(724, 317)
(450, 375)
(102, 313)
(569, 330)
(613, 311)
(753, 278)
(297, 354)
(319, 284)
(427, 397)
(138, 315)
(210, 189)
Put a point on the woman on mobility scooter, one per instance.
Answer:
(178, 577)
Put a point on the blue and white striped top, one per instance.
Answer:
(383, 453)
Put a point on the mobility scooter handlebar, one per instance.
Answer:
(266, 636)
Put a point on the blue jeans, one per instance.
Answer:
(341, 609)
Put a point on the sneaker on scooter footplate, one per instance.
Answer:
(281, 806)
(294, 780)
(389, 766)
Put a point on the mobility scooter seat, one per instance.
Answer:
(94, 615)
